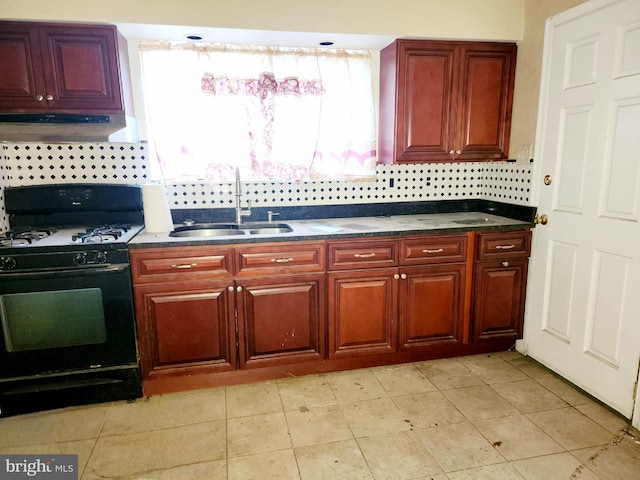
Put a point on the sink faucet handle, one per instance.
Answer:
(271, 215)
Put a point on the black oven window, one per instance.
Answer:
(61, 318)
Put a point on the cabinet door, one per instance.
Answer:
(21, 79)
(185, 325)
(445, 101)
(362, 312)
(424, 102)
(486, 98)
(499, 298)
(81, 68)
(280, 320)
(431, 305)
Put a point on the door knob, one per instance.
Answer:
(541, 219)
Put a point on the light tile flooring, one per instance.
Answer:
(499, 416)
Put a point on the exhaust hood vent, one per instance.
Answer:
(60, 127)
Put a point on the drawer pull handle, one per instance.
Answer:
(435, 250)
(282, 260)
(185, 265)
(505, 247)
(364, 255)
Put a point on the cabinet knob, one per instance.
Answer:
(505, 264)
(49, 97)
(396, 276)
(403, 276)
(458, 152)
(239, 289)
(451, 152)
(39, 98)
(230, 288)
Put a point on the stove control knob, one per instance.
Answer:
(80, 259)
(100, 257)
(7, 263)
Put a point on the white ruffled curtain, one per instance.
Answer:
(285, 114)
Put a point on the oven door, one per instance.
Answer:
(68, 320)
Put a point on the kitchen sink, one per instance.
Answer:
(229, 229)
(266, 228)
(207, 230)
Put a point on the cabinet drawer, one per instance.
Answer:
(362, 254)
(433, 249)
(504, 245)
(266, 259)
(160, 265)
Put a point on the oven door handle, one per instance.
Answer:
(71, 272)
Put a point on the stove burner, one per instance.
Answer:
(14, 242)
(104, 233)
(20, 238)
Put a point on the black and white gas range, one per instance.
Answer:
(67, 325)
(29, 248)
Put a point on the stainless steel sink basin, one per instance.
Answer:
(266, 228)
(207, 230)
(227, 229)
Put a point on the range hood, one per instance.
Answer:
(63, 127)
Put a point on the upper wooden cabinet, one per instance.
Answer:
(59, 68)
(445, 101)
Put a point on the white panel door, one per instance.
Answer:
(583, 304)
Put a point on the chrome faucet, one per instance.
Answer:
(240, 212)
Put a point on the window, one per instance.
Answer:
(286, 114)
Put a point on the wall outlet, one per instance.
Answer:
(523, 154)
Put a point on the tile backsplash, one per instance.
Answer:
(43, 163)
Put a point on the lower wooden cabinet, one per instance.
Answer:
(300, 307)
(186, 324)
(431, 306)
(499, 299)
(220, 309)
(500, 281)
(416, 304)
(280, 320)
(362, 312)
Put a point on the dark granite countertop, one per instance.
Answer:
(348, 227)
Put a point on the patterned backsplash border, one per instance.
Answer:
(44, 163)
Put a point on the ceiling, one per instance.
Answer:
(175, 33)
